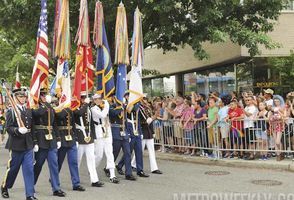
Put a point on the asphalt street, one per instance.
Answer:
(179, 178)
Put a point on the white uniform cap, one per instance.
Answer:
(97, 96)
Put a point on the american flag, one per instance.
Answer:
(40, 72)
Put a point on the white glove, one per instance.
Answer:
(48, 99)
(36, 148)
(106, 105)
(23, 130)
(77, 144)
(149, 120)
(141, 137)
(58, 145)
(87, 100)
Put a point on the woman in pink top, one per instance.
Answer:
(188, 125)
(277, 123)
(177, 130)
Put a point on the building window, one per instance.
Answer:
(289, 5)
(159, 86)
(147, 86)
(220, 79)
(189, 83)
(244, 73)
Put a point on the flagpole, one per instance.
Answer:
(87, 84)
(87, 95)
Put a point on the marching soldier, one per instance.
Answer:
(47, 141)
(66, 127)
(103, 134)
(20, 144)
(146, 118)
(120, 139)
(86, 139)
(135, 130)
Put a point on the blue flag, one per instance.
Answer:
(121, 83)
(104, 71)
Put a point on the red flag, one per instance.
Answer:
(83, 71)
(17, 80)
(84, 58)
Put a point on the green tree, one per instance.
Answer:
(284, 65)
(167, 24)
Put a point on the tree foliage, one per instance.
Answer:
(284, 65)
(167, 24)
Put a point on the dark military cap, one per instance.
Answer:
(43, 91)
(20, 91)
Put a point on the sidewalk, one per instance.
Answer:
(285, 165)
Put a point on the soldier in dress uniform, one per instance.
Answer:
(67, 130)
(20, 144)
(146, 118)
(120, 138)
(135, 130)
(103, 133)
(47, 141)
(86, 138)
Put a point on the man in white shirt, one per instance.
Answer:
(268, 95)
(103, 142)
(251, 112)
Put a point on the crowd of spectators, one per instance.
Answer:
(248, 126)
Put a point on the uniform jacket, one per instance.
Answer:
(117, 123)
(81, 113)
(40, 117)
(147, 129)
(131, 121)
(101, 121)
(17, 141)
(63, 119)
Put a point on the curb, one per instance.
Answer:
(286, 165)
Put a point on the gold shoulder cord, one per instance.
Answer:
(137, 123)
(68, 137)
(49, 135)
(123, 121)
(106, 126)
(123, 133)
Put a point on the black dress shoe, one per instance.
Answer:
(119, 170)
(4, 192)
(79, 188)
(31, 198)
(142, 174)
(130, 178)
(59, 193)
(114, 180)
(156, 172)
(107, 172)
(97, 184)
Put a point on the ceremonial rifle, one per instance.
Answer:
(13, 104)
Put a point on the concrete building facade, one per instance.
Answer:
(228, 68)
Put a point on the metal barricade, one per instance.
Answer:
(258, 138)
